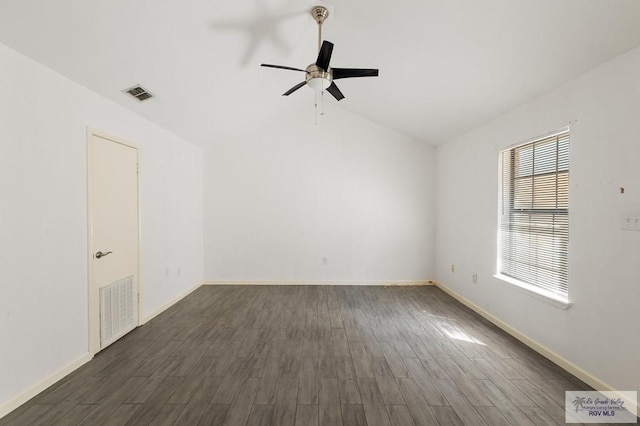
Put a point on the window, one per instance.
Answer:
(533, 238)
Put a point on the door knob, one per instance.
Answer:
(101, 254)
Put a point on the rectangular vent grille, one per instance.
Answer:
(117, 310)
(138, 92)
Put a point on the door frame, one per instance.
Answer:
(93, 310)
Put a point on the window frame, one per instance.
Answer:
(507, 207)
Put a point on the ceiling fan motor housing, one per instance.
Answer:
(317, 78)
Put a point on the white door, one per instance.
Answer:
(113, 240)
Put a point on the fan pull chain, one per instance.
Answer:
(316, 105)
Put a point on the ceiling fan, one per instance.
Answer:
(319, 75)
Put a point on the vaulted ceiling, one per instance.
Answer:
(446, 66)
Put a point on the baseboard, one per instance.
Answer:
(554, 357)
(12, 404)
(363, 283)
(169, 304)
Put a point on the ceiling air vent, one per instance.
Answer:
(138, 92)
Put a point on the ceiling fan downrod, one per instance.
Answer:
(319, 14)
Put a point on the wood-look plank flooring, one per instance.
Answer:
(305, 356)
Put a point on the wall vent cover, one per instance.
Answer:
(138, 92)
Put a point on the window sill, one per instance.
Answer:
(538, 293)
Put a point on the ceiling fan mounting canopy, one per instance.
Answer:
(319, 14)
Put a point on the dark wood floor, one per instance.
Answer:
(304, 355)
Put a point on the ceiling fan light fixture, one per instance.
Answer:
(318, 83)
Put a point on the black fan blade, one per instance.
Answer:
(282, 67)
(324, 56)
(333, 89)
(294, 88)
(353, 72)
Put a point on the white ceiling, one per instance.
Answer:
(446, 66)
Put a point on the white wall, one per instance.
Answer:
(600, 332)
(281, 196)
(43, 217)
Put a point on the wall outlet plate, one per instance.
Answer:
(630, 220)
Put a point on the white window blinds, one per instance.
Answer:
(534, 213)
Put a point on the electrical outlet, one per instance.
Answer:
(324, 261)
(631, 221)
(474, 278)
(453, 268)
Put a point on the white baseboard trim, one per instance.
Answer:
(363, 283)
(556, 358)
(12, 404)
(161, 309)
